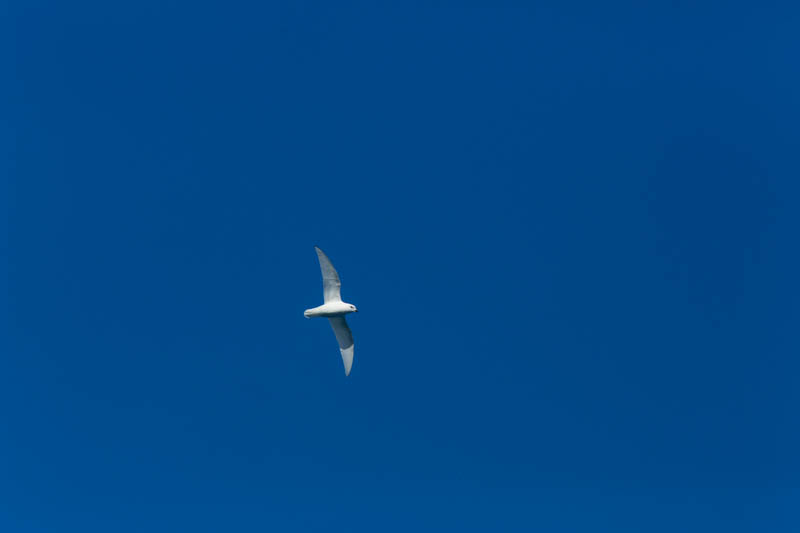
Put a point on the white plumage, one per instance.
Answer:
(334, 309)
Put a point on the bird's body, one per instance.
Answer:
(329, 309)
(334, 309)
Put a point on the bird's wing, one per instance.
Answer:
(330, 278)
(345, 338)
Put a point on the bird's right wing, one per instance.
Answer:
(345, 338)
(331, 286)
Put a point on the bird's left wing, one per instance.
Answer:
(331, 286)
(345, 338)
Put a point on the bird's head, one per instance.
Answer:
(353, 308)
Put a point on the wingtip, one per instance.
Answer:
(347, 359)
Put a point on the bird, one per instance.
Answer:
(334, 309)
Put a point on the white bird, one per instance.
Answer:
(335, 309)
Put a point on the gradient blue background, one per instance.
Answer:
(571, 231)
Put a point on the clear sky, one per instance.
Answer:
(571, 230)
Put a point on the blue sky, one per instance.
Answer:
(570, 230)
